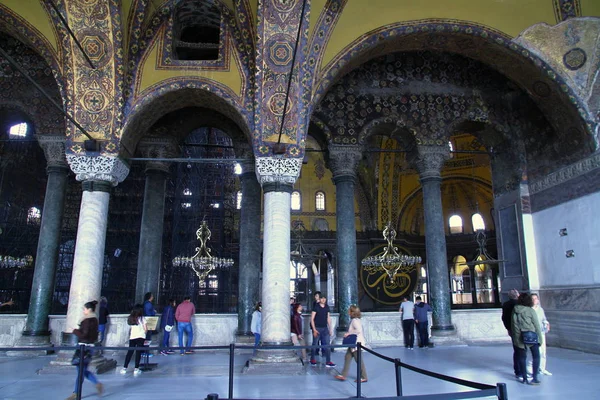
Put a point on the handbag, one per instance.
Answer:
(350, 339)
(529, 337)
(168, 328)
(87, 357)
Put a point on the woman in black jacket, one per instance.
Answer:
(88, 334)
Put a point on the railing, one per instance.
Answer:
(482, 390)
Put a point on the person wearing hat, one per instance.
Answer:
(507, 309)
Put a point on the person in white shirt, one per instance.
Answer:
(545, 325)
(407, 310)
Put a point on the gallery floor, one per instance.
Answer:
(576, 375)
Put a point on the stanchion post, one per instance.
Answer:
(231, 361)
(359, 370)
(502, 391)
(398, 366)
(80, 368)
(212, 396)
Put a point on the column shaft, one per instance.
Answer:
(250, 248)
(47, 253)
(276, 268)
(151, 236)
(86, 279)
(346, 248)
(435, 240)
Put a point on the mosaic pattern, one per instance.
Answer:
(565, 9)
(429, 94)
(278, 26)
(97, 97)
(475, 41)
(19, 94)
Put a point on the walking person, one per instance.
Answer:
(102, 319)
(184, 313)
(355, 328)
(320, 323)
(167, 322)
(407, 310)
(422, 321)
(87, 333)
(137, 337)
(545, 325)
(256, 324)
(507, 309)
(524, 319)
(297, 329)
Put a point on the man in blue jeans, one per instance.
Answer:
(320, 323)
(183, 315)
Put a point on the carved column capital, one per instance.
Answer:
(277, 170)
(107, 168)
(429, 160)
(54, 150)
(344, 159)
(158, 147)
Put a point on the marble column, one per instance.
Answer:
(151, 232)
(429, 163)
(276, 176)
(343, 162)
(36, 331)
(98, 175)
(250, 248)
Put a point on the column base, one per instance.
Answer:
(244, 339)
(279, 361)
(62, 363)
(445, 336)
(32, 340)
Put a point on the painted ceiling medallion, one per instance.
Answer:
(574, 58)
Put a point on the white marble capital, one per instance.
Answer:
(278, 169)
(109, 168)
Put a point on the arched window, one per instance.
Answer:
(456, 224)
(18, 130)
(296, 201)
(451, 148)
(320, 201)
(238, 200)
(187, 192)
(237, 169)
(477, 221)
(34, 216)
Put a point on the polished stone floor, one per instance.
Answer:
(576, 375)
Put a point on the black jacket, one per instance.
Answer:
(507, 309)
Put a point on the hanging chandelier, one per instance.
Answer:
(391, 261)
(202, 263)
(481, 254)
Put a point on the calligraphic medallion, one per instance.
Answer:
(385, 289)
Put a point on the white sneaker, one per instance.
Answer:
(546, 372)
(123, 371)
(137, 372)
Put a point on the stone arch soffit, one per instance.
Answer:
(539, 80)
(320, 132)
(16, 26)
(391, 128)
(411, 199)
(173, 95)
(178, 125)
(8, 106)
